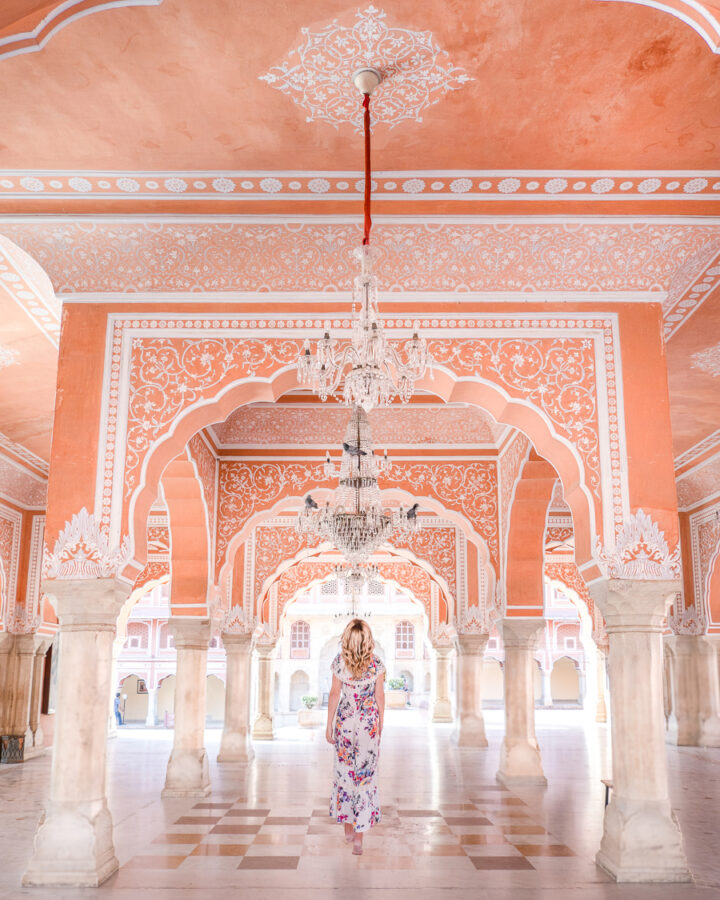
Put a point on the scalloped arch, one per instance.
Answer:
(704, 18)
(43, 23)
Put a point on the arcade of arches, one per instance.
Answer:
(178, 207)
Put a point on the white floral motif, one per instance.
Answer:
(270, 185)
(640, 551)
(319, 185)
(460, 185)
(473, 622)
(30, 183)
(416, 71)
(413, 186)
(176, 185)
(602, 185)
(649, 185)
(81, 551)
(80, 184)
(707, 360)
(555, 185)
(695, 185)
(509, 185)
(223, 185)
(8, 356)
(128, 184)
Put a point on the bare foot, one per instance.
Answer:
(357, 844)
(348, 832)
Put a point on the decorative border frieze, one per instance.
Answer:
(423, 185)
(10, 534)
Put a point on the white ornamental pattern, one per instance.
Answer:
(236, 622)
(640, 552)
(316, 74)
(707, 361)
(82, 551)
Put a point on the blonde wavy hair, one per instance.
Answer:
(357, 647)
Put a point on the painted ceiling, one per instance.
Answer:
(523, 149)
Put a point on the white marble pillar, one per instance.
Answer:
(188, 774)
(442, 704)
(118, 644)
(641, 839)
(151, 719)
(35, 737)
(694, 719)
(74, 842)
(547, 698)
(520, 760)
(17, 689)
(601, 707)
(471, 723)
(263, 729)
(235, 745)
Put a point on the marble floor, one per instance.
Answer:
(448, 829)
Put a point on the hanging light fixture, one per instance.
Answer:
(370, 371)
(357, 524)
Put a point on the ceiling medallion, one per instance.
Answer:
(417, 72)
(370, 371)
(357, 524)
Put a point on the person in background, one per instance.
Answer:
(118, 713)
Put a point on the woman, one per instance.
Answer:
(358, 696)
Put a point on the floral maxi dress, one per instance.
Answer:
(357, 747)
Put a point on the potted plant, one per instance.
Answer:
(396, 694)
(306, 717)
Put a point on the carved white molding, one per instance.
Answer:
(473, 622)
(236, 622)
(685, 619)
(82, 551)
(444, 636)
(640, 552)
(315, 75)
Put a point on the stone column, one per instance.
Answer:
(641, 839)
(151, 719)
(547, 698)
(601, 708)
(74, 842)
(17, 688)
(235, 745)
(694, 720)
(118, 644)
(520, 761)
(442, 705)
(471, 724)
(263, 725)
(188, 774)
(35, 733)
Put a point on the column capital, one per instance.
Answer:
(265, 651)
(632, 604)
(472, 644)
(443, 650)
(190, 632)
(87, 604)
(237, 643)
(520, 633)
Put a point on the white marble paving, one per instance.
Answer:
(421, 768)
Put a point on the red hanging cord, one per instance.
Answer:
(368, 172)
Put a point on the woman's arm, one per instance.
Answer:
(380, 699)
(333, 700)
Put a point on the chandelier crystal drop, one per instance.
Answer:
(356, 523)
(369, 370)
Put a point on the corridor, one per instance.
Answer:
(447, 825)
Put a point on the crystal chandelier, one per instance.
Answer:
(357, 524)
(371, 370)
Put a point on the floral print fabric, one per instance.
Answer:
(357, 747)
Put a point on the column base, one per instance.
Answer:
(73, 847)
(471, 733)
(12, 749)
(442, 711)
(263, 729)
(521, 764)
(642, 842)
(235, 748)
(187, 774)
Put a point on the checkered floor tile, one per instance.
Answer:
(491, 832)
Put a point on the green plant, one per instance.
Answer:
(308, 701)
(396, 684)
